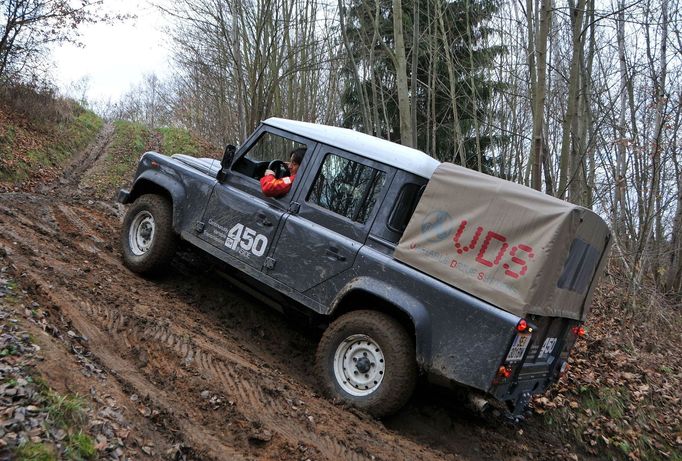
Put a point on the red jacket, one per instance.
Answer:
(273, 187)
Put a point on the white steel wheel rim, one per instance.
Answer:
(141, 234)
(359, 365)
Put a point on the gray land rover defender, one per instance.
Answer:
(414, 265)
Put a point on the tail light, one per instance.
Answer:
(522, 325)
(578, 330)
(504, 372)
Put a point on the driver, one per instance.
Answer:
(274, 187)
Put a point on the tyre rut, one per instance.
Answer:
(256, 391)
(83, 161)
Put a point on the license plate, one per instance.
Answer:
(518, 348)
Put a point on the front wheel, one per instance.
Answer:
(147, 238)
(367, 359)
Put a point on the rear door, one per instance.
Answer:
(239, 219)
(331, 217)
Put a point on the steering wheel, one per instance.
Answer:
(280, 168)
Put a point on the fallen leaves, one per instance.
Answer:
(621, 395)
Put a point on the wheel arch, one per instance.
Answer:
(151, 182)
(370, 294)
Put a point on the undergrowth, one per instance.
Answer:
(620, 397)
(36, 146)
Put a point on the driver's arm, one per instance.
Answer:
(273, 187)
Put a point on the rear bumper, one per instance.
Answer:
(530, 381)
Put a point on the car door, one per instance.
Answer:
(330, 220)
(239, 219)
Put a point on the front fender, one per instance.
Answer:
(400, 300)
(150, 181)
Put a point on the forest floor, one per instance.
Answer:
(189, 367)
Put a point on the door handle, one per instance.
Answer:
(263, 220)
(333, 253)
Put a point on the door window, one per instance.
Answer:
(347, 188)
(267, 148)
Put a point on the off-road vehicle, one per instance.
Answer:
(416, 266)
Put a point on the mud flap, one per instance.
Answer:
(123, 196)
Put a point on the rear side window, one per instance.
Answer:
(408, 197)
(580, 267)
(347, 188)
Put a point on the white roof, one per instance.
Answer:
(380, 150)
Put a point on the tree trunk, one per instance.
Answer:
(674, 275)
(366, 118)
(400, 60)
(621, 143)
(472, 84)
(569, 157)
(458, 148)
(414, 81)
(540, 92)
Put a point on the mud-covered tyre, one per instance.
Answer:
(147, 239)
(367, 359)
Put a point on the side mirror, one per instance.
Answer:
(226, 161)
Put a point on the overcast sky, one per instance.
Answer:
(115, 57)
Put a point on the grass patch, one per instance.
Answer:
(35, 452)
(608, 401)
(178, 141)
(80, 447)
(65, 410)
(130, 140)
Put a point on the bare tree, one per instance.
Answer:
(29, 26)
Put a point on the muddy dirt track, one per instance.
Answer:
(199, 368)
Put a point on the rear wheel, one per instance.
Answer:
(147, 238)
(367, 359)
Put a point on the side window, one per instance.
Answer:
(347, 188)
(408, 197)
(267, 148)
(579, 267)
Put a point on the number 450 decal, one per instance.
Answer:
(247, 239)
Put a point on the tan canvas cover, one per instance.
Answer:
(516, 248)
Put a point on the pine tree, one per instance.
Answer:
(369, 31)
